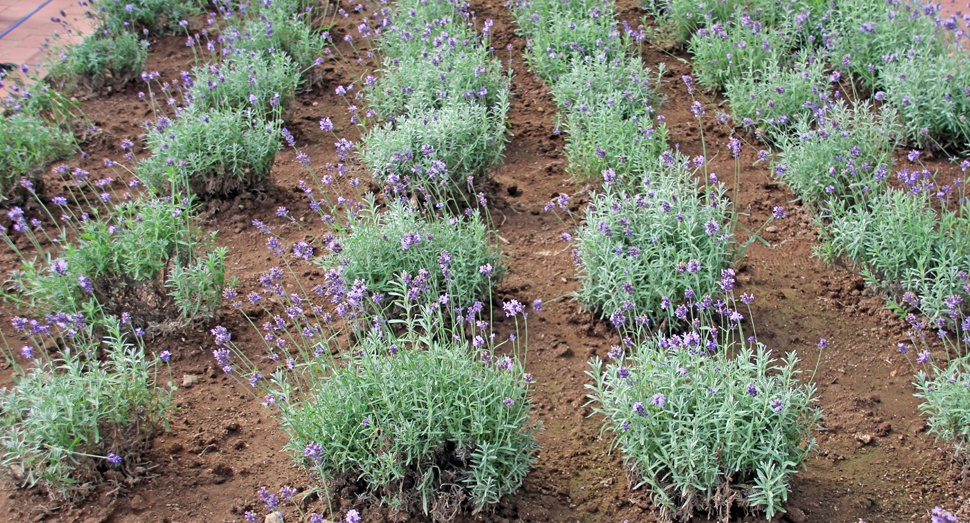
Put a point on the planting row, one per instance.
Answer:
(835, 90)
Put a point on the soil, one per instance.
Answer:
(875, 459)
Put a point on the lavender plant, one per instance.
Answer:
(415, 413)
(27, 145)
(847, 155)
(770, 101)
(560, 33)
(436, 77)
(904, 247)
(453, 256)
(280, 31)
(214, 153)
(70, 420)
(264, 83)
(735, 49)
(438, 155)
(863, 36)
(119, 265)
(946, 395)
(931, 94)
(641, 255)
(668, 402)
(156, 16)
(98, 61)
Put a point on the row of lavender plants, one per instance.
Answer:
(113, 259)
(654, 250)
(835, 89)
(388, 374)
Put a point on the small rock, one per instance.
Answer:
(232, 426)
(138, 503)
(797, 515)
(883, 429)
(864, 439)
(564, 352)
(189, 379)
(273, 518)
(771, 228)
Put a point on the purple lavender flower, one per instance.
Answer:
(777, 405)
(823, 343)
(512, 308)
(537, 304)
(943, 516)
(752, 390)
(165, 356)
(59, 268)
(779, 213)
(923, 357)
(114, 458)
(27, 352)
(85, 284)
(352, 516)
(486, 269)
(326, 125)
(658, 399)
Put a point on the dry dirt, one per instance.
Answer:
(876, 461)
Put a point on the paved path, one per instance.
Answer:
(22, 45)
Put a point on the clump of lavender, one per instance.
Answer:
(438, 155)
(736, 48)
(667, 402)
(843, 160)
(432, 378)
(257, 82)
(641, 255)
(771, 101)
(209, 153)
(67, 418)
(98, 60)
(931, 94)
(563, 34)
(452, 256)
(27, 144)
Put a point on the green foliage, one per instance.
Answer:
(932, 97)
(771, 100)
(63, 417)
(417, 414)
(403, 240)
(699, 429)
(561, 33)
(434, 153)
(946, 395)
(680, 19)
(431, 80)
(609, 111)
(27, 145)
(863, 35)
(281, 31)
(197, 288)
(734, 49)
(100, 60)
(262, 82)
(636, 252)
(901, 244)
(846, 156)
(215, 153)
(157, 16)
(120, 264)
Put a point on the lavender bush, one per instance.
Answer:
(846, 156)
(415, 413)
(639, 256)
(668, 402)
(70, 420)
(27, 145)
(735, 49)
(453, 256)
(438, 155)
(261, 83)
(215, 153)
(931, 94)
(98, 61)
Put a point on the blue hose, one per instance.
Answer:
(24, 19)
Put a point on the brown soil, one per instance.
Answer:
(876, 461)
